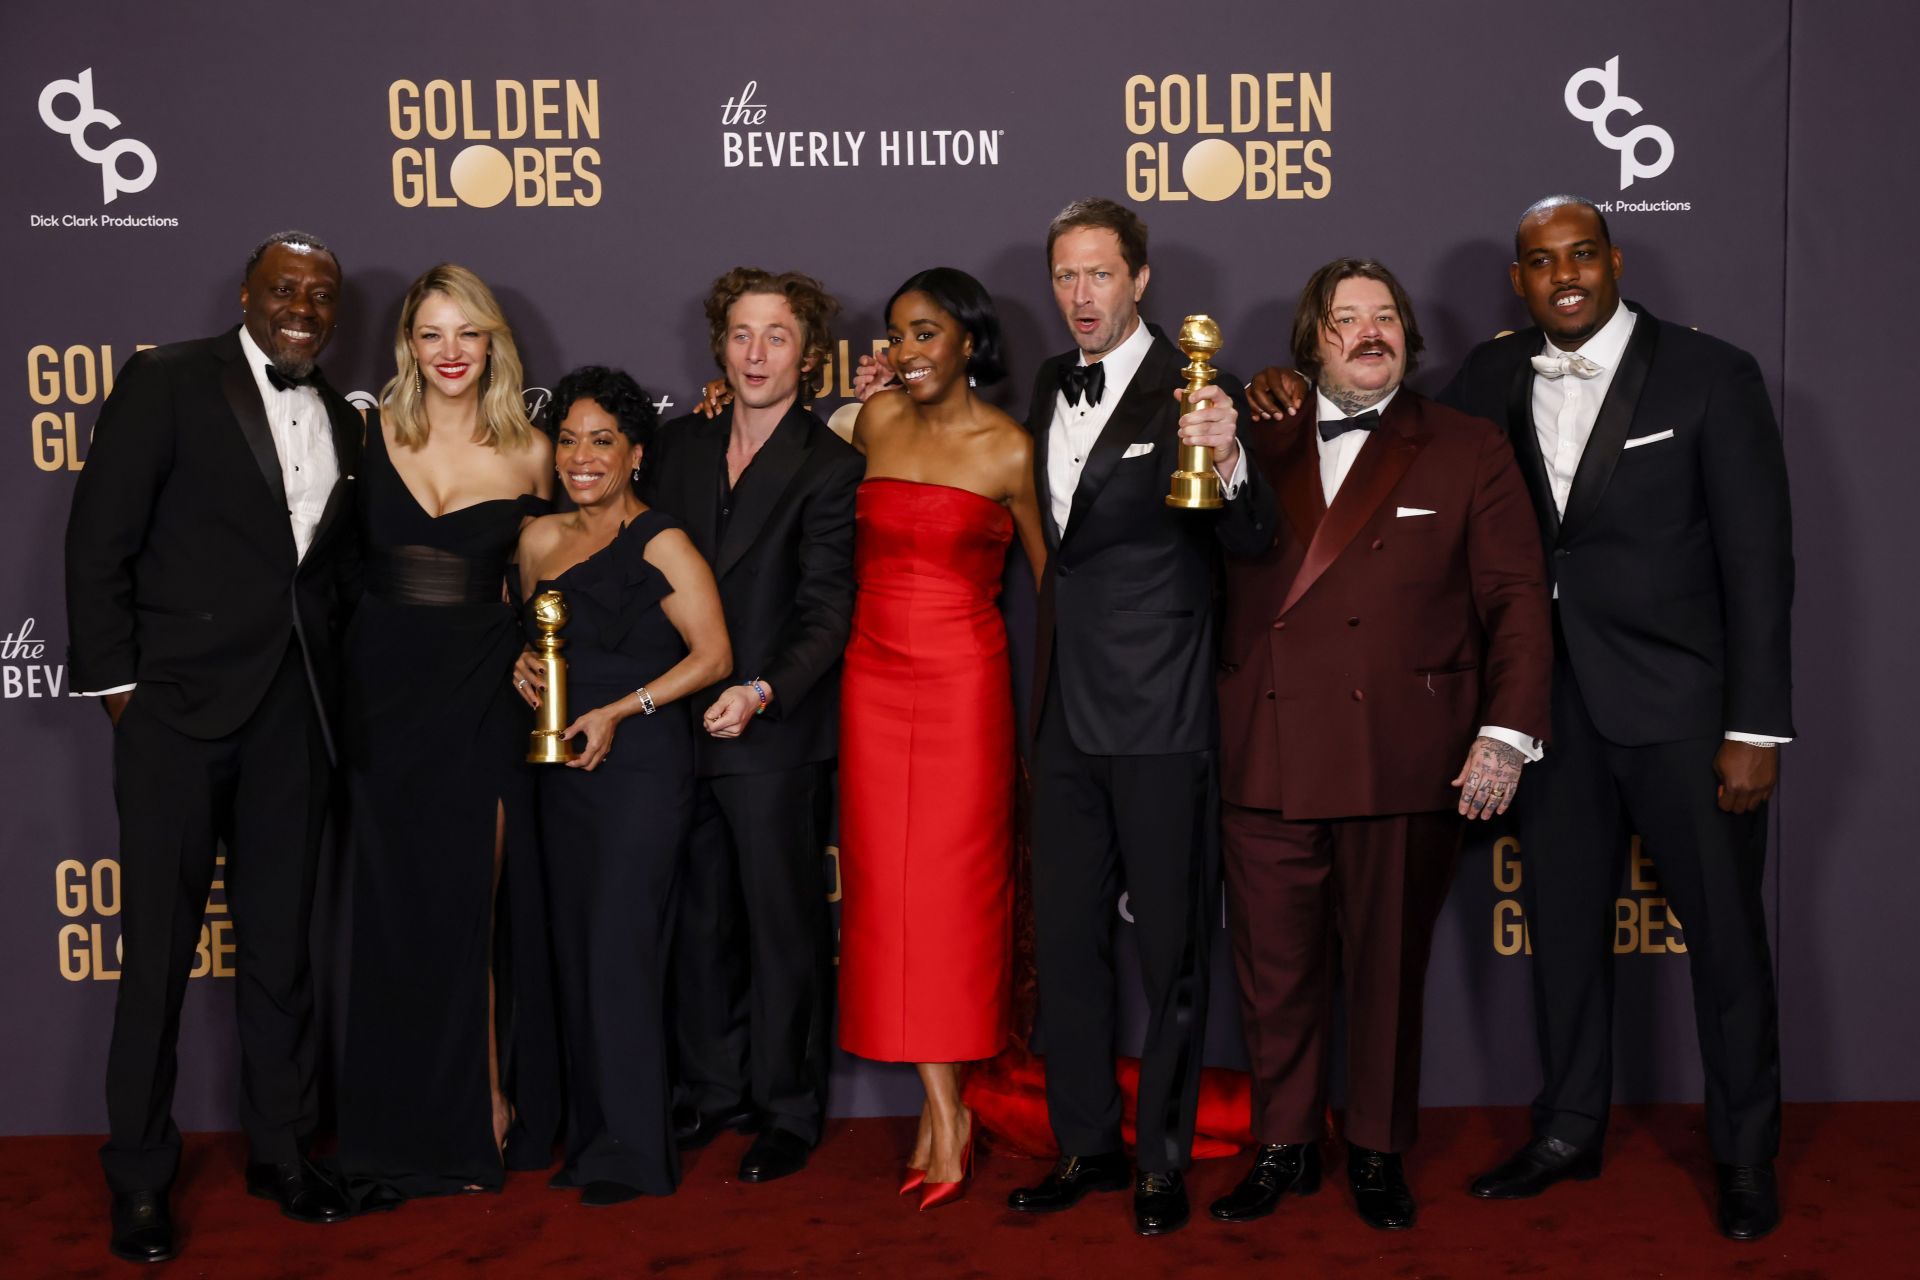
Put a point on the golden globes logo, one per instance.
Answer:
(1643, 922)
(57, 378)
(1242, 136)
(88, 896)
(548, 120)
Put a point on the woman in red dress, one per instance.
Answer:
(927, 728)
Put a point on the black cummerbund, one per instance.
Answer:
(430, 576)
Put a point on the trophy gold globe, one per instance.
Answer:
(545, 745)
(1196, 487)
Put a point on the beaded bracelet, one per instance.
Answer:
(759, 691)
(646, 701)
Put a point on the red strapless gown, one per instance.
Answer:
(926, 779)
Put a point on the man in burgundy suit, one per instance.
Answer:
(1384, 672)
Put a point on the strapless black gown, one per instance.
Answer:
(435, 743)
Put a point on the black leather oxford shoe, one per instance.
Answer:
(1749, 1201)
(302, 1193)
(1277, 1169)
(1071, 1178)
(693, 1128)
(1535, 1167)
(1379, 1189)
(774, 1154)
(142, 1227)
(1159, 1202)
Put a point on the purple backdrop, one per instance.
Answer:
(600, 163)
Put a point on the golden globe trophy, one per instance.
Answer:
(545, 745)
(1195, 485)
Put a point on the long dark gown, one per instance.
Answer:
(436, 738)
(611, 842)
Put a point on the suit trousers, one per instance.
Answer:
(261, 792)
(1148, 823)
(1301, 895)
(753, 948)
(1577, 808)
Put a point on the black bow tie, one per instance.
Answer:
(1332, 429)
(1077, 380)
(281, 382)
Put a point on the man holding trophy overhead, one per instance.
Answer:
(1401, 603)
(1125, 795)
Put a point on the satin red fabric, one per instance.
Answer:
(926, 779)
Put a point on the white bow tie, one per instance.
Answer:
(1571, 362)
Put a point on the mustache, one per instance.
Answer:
(1372, 346)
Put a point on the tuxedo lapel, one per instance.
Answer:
(1525, 438)
(1146, 395)
(1390, 449)
(1611, 427)
(1296, 474)
(705, 450)
(761, 486)
(1040, 427)
(243, 398)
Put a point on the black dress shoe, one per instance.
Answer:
(1535, 1167)
(1159, 1202)
(598, 1195)
(1071, 1178)
(1379, 1189)
(1749, 1201)
(142, 1227)
(1277, 1169)
(774, 1154)
(303, 1194)
(693, 1128)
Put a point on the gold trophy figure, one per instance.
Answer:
(1195, 485)
(545, 745)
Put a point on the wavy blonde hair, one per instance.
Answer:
(503, 423)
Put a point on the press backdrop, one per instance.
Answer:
(599, 163)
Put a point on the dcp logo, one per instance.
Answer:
(1628, 143)
(113, 184)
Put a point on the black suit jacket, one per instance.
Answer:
(785, 569)
(1674, 560)
(181, 568)
(1127, 603)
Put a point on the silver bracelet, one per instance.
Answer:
(646, 701)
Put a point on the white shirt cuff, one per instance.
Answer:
(101, 693)
(1239, 476)
(1757, 739)
(1528, 747)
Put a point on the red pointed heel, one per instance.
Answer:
(935, 1194)
(913, 1179)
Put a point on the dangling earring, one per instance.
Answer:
(489, 383)
(636, 475)
(419, 384)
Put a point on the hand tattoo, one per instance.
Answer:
(1490, 779)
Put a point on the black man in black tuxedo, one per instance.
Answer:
(208, 554)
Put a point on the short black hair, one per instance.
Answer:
(613, 390)
(1547, 204)
(297, 239)
(967, 301)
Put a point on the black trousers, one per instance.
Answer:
(1149, 824)
(1577, 808)
(261, 792)
(753, 948)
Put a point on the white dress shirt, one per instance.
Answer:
(1336, 459)
(1075, 427)
(303, 439)
(1564, 411)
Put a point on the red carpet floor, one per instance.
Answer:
(1850, 1181)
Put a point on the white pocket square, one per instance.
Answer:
(1145, 447)
(1403, 512)
(1636, 442)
